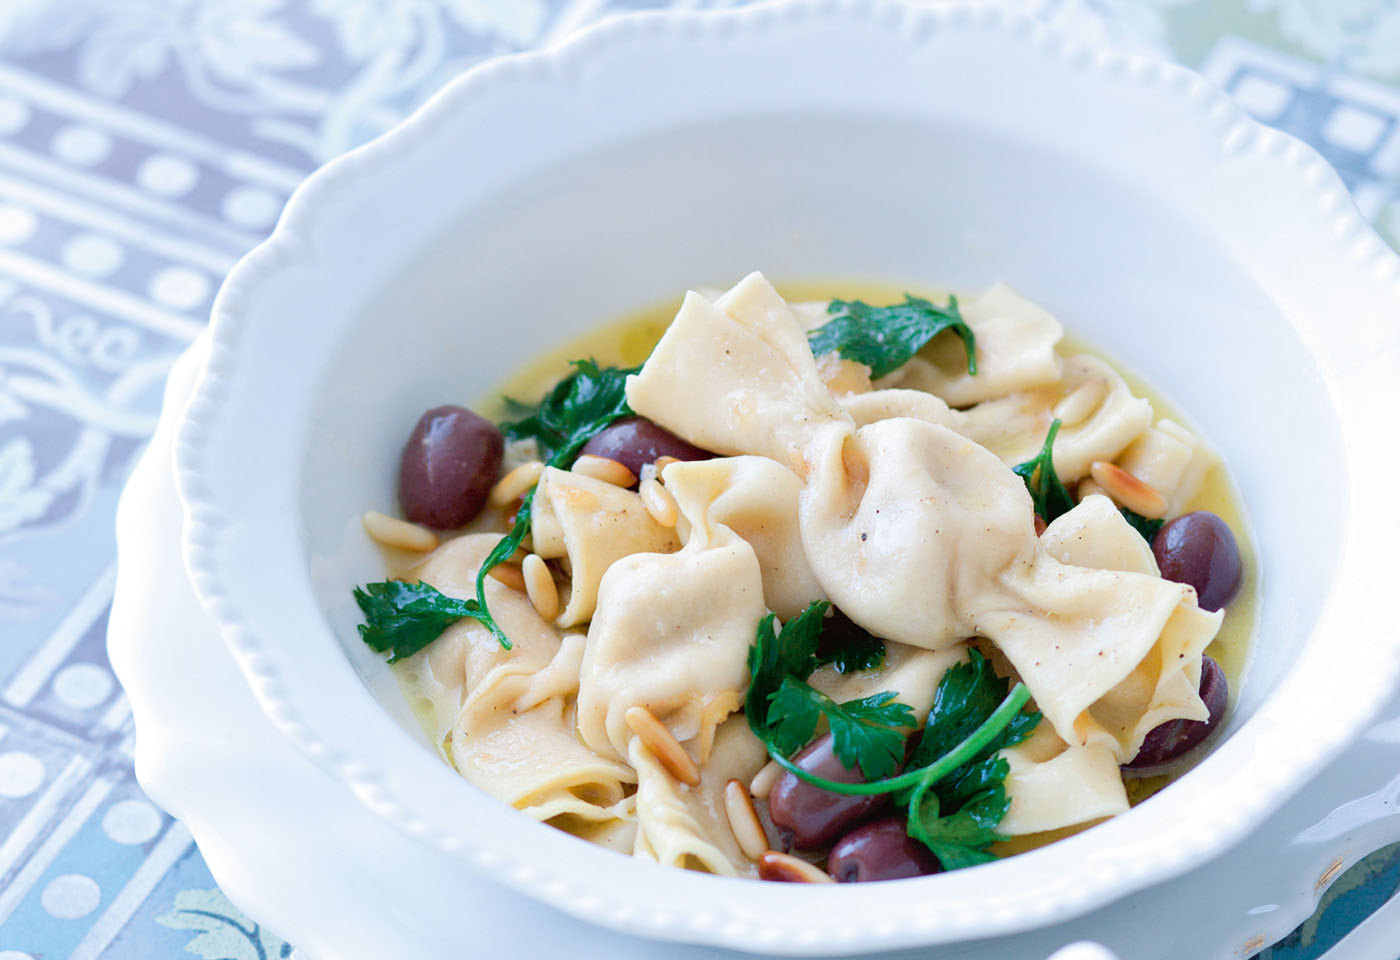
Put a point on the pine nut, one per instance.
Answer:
(1087, 488)
(765, 780)
(509, 574)
(785, 868)
(605, 469)
(1080, 402)
(539, 587)
(669, 753)
(659, 502)
(515, 484)
(663, 462)
(743, 820)
(393, 532)
(1128, 490)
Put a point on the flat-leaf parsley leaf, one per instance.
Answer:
(960, 839)
(884, 338)
(956, 814)
(783, 709)
(577, 408)
(848, 646)
(1048, 494)
(403, 618)
(865, 732)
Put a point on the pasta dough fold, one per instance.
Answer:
(594, 523)
(755, 498)
(1053, 785)
(682, 826)
(672, 632)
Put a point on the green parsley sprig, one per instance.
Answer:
(956, 814)
(783, 709)
(884, 338)
(955, 792)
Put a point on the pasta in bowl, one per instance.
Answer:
(970, 656)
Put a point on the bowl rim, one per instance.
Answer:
(639, 900)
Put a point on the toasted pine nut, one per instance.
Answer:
(659, 502)
(1128, 490)
(765, 780)
(509, 574)
(786, 868)
(743, 820)
(393, 532)
(605, 469)
(539, 587)
(669, 753)
(663, 462)
(515, 484)
(1080, 402)
(1086, 489)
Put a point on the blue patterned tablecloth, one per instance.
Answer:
(144, 146)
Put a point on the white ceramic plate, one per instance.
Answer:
(949, 143)
(295, 851)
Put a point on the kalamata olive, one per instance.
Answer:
(636, 441)
(448, 466)
(1170, 740)
(1199, 549)
(880, 850)
(814, 817)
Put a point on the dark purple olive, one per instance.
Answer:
(448, 466)
(1170, 740)
(813, 817)
(880, 850)
(1198, 549)
(636, 441)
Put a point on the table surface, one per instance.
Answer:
(145, 145)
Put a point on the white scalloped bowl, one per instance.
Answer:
(945, 144)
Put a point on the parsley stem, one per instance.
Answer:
(500, 553)
(511, 542)
(932, 772)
